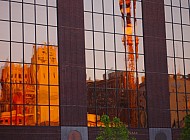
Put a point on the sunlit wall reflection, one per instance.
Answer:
(115, 61)
(178, 56)
(29, 86)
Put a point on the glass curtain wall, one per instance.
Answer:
(115, 73)
(29, 86)
(178, 55)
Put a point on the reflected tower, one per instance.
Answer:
(131, 58)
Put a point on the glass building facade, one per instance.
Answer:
(63, 64)
(178, 56)
(29, 86)
(115, 61)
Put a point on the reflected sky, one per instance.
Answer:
(105, 25)
(112, 24)
(26, 32)
(177, 35)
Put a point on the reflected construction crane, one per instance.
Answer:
(130, 43)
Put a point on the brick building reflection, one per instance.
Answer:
(26, 91)
(180, 102)
(115, 101)
(112, 96)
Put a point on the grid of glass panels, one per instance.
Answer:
(177, 13)
(29, 87)
(115, 61)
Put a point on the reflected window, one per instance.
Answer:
(177, 39)
(29, 87)
(115, 61)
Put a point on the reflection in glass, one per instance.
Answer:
(111, 63)
(41, 2)
(4, 28)
(54, 115)
(168, 17)
(99, 59)
(89, 59)
(5, 51)
(87, 5)
(4, 5)
(41, 15)
(52, 3)
(28, 1)
(98, 22)
(29, 86)
(169, 33)
(97, 6)
(98, 41)
(177, 32)
(109, 42)
(186, 31)
(88, 20)
(24, 89)
(88, 37)
(18, 56)
(16, 31)
(185, 17)
(177, 35)
(109, 24)
(41, 34)
(170, 51)
(52, 16)
(116, 46)
(29, 13)
(52, 31)
(176, 16)
(108, 6)
(185, 3)
(16, 11)
(29, 33)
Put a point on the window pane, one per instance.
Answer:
(4, 10)
(16, 31)
(5, 51)
(4, 27)
(52, 16)
(29, 83)
(41, 15)
(29, 13)
(16, 11)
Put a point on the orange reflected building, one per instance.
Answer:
(114, 99)
(29, 89)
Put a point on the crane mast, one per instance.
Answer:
(126, 10)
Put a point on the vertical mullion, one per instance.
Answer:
(94, 56)
(10, 22)
(125, 74)
(145, 68)
(35, 52)
(57, 43)
(116, 75)
(58, 64)
(48, 59)
(189, 9)
(136, 55)
(172, 14)
(183, 59)
(23, 73)
(106, 92)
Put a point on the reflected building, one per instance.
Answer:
(14, 95)
(24, 86)
(179, 86)
(135, 51)
(113, 96)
